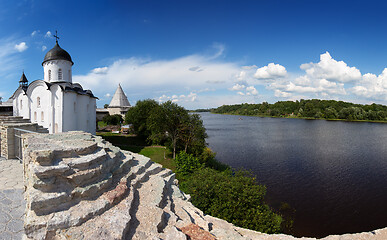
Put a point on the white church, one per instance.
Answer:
(56, 103)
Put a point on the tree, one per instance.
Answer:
(167, 122)
(115, 119)
(193, 134)
(106, 105)
(139, 114)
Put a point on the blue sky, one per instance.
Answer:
(204, 53)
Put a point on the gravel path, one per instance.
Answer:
(12, 202)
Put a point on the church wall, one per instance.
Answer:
(71, 111)
(81, 115)
(40, 105)
(21, 105)
(56, 109)
(54, 66)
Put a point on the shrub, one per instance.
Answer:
(187, 163)
(115, 119)
(235, 198)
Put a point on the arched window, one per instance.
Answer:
(35, 117)
(49, 75)
(42, 116)
(60, 74)
(21, 104)
(69, 73)
(38, 101)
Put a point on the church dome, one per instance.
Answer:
(57, 53)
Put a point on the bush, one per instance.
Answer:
(187, 163)
(235, 198)
(115, 119)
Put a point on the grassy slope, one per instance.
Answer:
(137, 145)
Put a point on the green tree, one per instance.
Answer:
(139, 114)
(193, 134)
(167, 122)
(106, 105)
(115, 119)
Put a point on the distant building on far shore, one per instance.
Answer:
(118, 105)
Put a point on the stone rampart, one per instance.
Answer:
(79, 186)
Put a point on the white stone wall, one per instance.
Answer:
(21, 105)
(81, 115)
(54, 66)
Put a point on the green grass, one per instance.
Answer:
(138, 145)
(101, 124)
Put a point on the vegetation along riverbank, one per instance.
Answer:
(169, 135)
(310, 109)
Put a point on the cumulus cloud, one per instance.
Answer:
(191, 97)
(331, 70)
(372, 86)
(21, 47)
(270, 71)
(237, 87)
(34, 33)
(48, 34)
(251, 91)
(100, 70)
(44, 48)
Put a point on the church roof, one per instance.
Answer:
(57, 53)
(119, 99)
(23, 79)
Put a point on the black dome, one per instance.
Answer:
(57, 53)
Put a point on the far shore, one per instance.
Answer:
(305, 118)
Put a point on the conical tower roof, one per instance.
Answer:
(119, 99)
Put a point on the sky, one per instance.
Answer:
(203, 53)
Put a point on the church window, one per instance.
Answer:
(60, 74)
(38, 101)
(21, 104)
(49, 75)
(42, 116)
(35, 117)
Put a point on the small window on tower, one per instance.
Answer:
(42, 116)
(60, 74)
(49, 75)
(38, 101)
(21, 104)
(35, 117)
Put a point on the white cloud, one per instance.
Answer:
(21, 47)
(281, 94)
(372, 86)
(107, 95)
(271, 71)
(153, 76)
(44, 48)
(251, 91)
(331, 70)
(100, 70)
(191, 97)
(237, 87)
(48, 34)
(34, 33)
(240, 93)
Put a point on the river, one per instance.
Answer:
(333, 173)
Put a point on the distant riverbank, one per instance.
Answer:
(310, 109)
(305, 118)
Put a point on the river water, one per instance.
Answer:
(333, 173)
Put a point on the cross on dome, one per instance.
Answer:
(56, 36)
